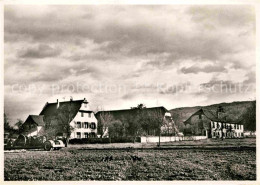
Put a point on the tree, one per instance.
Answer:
(19, 124)
(115, 129)
(60, 123)
(7, 126)
(158, 119)
(249, 117)
(132, 125)
(139, 106)
(104, 120)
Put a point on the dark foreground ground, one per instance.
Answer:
(79, 163)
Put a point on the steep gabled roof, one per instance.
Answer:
(50, 109)
(36, 119)
(118, 114)
(210, 115)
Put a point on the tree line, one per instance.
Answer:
(138, 122)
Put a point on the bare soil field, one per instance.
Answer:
(79, 163)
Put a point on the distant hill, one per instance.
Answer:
(244, 111)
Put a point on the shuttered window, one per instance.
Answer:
(78, 124)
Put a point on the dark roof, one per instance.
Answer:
(210, 115)
(50, 109)
(118, 114)
(36, 119)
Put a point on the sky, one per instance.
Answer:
(117, 56)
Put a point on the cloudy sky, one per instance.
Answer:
(119, 56)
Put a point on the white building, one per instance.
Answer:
(84, 123)
(82, 118)
(228, 130)
(206, 122)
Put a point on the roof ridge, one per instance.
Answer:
(66, 101)
(131, 109)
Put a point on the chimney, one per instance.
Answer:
(58, 103)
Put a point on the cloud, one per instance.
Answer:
(160, 46)
(207, 69)
(237, 16)
(41, 51)
(251, 77)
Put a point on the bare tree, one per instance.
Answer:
(158, 118)
(19, 124)
(6, 123)
(104, 120)
(60, 123)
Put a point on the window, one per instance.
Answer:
(86, 135)
(78, 135)
(85, 124)
(82, 114)
(78, 124)
(89, 114)
(92, 134)
(93, 125)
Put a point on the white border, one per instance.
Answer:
(255, 3)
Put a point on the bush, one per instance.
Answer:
(103, 140)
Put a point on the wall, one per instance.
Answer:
(236, 132)
(83, 119)
(155, 139)
(35, 132)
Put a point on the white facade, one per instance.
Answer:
(84, 123)
(230, 130)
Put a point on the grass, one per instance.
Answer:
(75, 163)
(251, 142)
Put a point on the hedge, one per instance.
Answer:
(104, 140)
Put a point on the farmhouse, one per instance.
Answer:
(205, 122)
(55, 116)
(33, 125)
(129, 116)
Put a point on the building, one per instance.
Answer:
(128, 115)
(54, 115)
(250, 134)
(205, 122)
(33, 125)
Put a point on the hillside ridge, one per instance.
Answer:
(236, 110)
